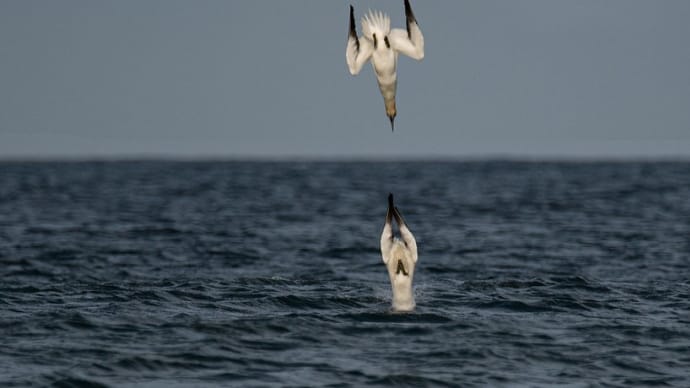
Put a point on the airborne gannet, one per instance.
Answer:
(400, 257)
(382, 45)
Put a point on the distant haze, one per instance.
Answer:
(531, 78)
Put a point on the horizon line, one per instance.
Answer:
(488, 157)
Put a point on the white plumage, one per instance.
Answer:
(382, 45)
(375, 22)
(400, 257)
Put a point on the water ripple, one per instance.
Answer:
(269, 274)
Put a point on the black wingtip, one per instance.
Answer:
(392, 119)
(390, 201)
(409, 17)
(408, 9)
(353, 27)
(398, 216)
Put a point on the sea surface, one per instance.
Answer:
(260, 274)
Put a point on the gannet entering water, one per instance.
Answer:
(400, 257)
(383, 45)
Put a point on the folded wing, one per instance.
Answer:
(387, 234)
(407, 236)
(411, 41)
(358, 50)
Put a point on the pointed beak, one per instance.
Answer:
(392, 119)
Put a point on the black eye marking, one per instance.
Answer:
(376, 43)
(388, 44)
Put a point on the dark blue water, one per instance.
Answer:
(160, 274)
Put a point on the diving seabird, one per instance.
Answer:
(400, 257)
(382, 45)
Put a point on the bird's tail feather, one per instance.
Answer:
(376, 22)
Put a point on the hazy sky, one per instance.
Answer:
(268, 78)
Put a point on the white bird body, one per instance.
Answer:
(400, 258)
(382, 45)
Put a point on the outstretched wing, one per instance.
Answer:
(358, 50)
(410, 42)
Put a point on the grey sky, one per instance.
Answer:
(268, 78)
